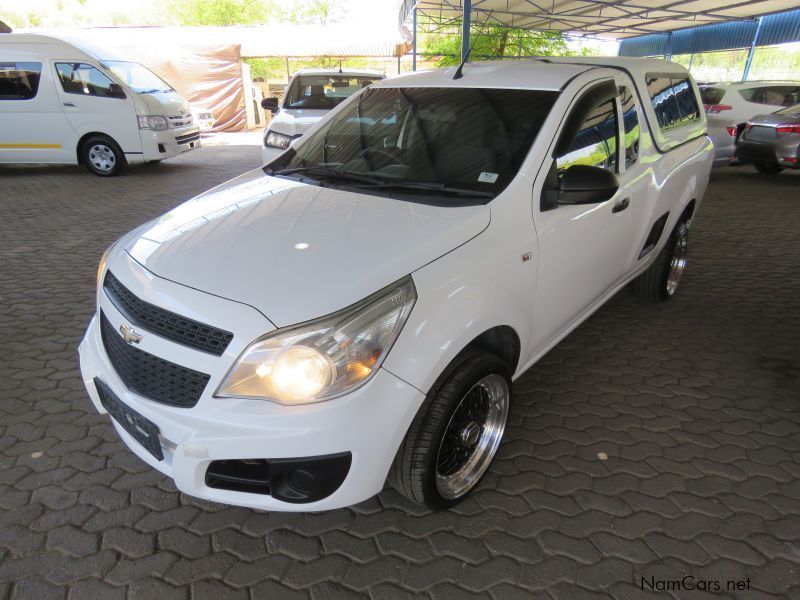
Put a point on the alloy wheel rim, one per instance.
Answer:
(102, 157)
(472, 436)
(677, 264)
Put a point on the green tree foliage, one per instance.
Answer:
(220, 12)
(489, 41)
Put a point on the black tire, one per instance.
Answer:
(103, 156)
(414, 470)
(653, 283)
(767, 169)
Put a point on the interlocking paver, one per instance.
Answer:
(693, 401)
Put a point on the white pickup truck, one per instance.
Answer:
(358, 309)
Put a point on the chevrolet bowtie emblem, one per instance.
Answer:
(129, 335)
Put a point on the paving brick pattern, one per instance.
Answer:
(695, 403)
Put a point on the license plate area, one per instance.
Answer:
(141, 429)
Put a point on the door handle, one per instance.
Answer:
(621, 205)
(69, 104)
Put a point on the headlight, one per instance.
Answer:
(101, 270)
(325, 358)
(154, 122)
(277, 140)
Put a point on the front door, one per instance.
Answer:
(581, 247)
(93, 102)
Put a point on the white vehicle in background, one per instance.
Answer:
(63, 101)
(723, 135)
(310, 95)
(358, 308)
(739, 101)
(202, 117)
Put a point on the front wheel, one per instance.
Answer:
(768, 169)
(102, 156)
(456, 432)
(660, 281)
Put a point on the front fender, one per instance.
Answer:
(482, 284)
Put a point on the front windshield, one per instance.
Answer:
(459, 145)
(139, 78)
(324, 92)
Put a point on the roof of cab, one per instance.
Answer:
(344, 72)
(545, 73)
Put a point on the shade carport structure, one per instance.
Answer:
(618, 19)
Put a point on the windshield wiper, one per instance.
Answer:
(428, 186)
(328, 172)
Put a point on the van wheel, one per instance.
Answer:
(660, 281)
(768, 169)
(456, 432)
(102, 156)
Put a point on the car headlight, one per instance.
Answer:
(324, 358)
(154, 122)
(277, 140)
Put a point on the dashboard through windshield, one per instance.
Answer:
(457, 145)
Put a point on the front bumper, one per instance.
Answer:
(158, 145)
(368, 423)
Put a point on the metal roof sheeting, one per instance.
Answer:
(613, 18)
(779, 28)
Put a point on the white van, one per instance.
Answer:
(310, 95)
(63, 101)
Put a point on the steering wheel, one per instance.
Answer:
(372, 150)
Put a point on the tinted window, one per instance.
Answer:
(466, 139)
(673, 101)
(83, 79)
(712, 95)
(596, 141)
(19, 80)
(779, 95)
(751, 95)
(630, 119)
(323, 91)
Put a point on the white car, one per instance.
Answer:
(359, 309)
(310, 95)
(740, 101)
(63, 101)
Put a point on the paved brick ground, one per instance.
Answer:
(695, 402)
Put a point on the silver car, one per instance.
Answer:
(723, 135)
(771, 143)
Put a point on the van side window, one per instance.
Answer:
(86, 80)
(673, 101)
(630, 119)
(19, 80)
(596, 141)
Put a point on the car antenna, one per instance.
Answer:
(458, 74)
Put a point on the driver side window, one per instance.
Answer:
(596, 142)
(85, 80)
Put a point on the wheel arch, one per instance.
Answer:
(502, 341)
(86, 136)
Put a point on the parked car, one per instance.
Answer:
(202, 117)
(63, 101)
(740, 101)
(771, 143)
(360, 307)
(723, 135)
(310, 95)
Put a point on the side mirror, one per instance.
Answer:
(270, 104)
(579, 184)
(115, 91)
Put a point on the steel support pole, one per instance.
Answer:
(752, 50)
(465, 25)
(414, 42)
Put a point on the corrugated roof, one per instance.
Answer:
(775, 29)
(612, 18)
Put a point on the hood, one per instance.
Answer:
(296, 251)
(296, 121)
(163, 103)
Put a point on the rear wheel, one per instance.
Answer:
(660, 281)
(768, 169)
(102, 156)
(456, 432)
